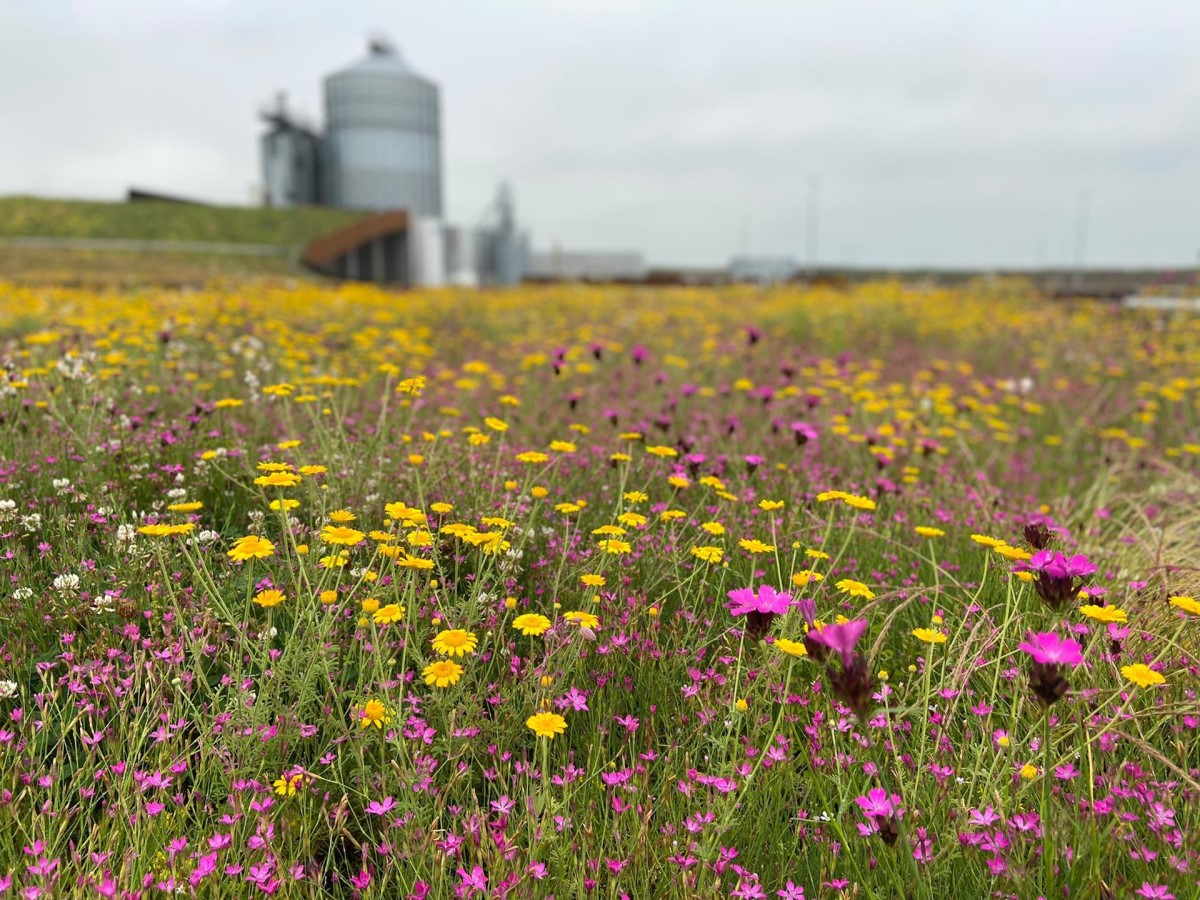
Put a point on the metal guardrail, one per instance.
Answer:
(126, 245)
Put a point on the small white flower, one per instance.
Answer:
(103, 603)
(66, 584)
(8, 689)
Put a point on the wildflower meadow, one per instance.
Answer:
(323, 591)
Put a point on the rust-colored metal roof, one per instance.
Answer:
(328, 247)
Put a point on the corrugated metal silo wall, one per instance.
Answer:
(384, 142)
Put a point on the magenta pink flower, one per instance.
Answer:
(803, 433)
(883, 814)
(759, 608)
(1154, 891)
(1051, 654)
(841, 638)
(1058, 566)
(877, 803)
(1048, 648)
(1059, 579)
(767, 600)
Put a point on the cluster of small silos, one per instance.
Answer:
(381, 151)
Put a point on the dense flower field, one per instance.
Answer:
(572, 592)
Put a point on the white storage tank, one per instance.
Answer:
(383, 146)
(426, 252)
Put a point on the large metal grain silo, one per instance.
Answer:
(383, 147)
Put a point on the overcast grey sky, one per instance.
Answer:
(948, 133)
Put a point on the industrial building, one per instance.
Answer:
(381, 152)
(582, 265)
(763, 269)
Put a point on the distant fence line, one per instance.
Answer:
(148, 246)
(1150, 301)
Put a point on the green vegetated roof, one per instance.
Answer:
(154, 220)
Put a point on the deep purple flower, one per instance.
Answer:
(1037, 535)
(803, 433)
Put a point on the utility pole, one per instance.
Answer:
(812, 238)
(1081, 236)
(744, 236)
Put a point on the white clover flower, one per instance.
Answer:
(103, 603)
(66, 584)
(8, 689)
(23, 593)
(126, 534)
